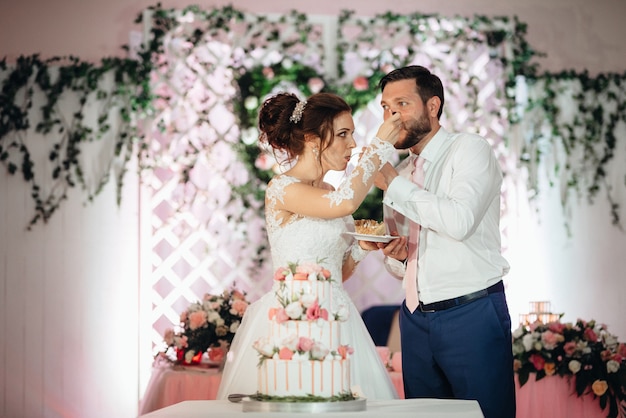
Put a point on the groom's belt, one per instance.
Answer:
(451, 303)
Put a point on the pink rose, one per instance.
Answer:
(621, 350)
(313, 311)
(590, 335)
(549, 340)
(537, 361)
(238, 295)
(281, 316)
(315, 84)
(556, 327)
(326, 273)
(240, 306)
(281, 273)
(360, 83)
(197, 319)
(569, 348)
(305, 344)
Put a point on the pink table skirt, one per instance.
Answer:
(554, 397)
(551, 397)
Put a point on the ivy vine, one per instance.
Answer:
(55, 77)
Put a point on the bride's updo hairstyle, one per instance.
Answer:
(284, 120)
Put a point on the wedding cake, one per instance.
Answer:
(302, 355)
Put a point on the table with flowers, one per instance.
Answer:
(562, 370)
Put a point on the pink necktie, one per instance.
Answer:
(410, 276)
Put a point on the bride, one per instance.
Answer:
(306, 219)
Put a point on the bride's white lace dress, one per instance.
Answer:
(305, 239)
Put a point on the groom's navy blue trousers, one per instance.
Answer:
(462, 352)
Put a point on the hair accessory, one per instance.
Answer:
(297, 112)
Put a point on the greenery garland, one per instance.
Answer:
(54, 78)
(588, 139)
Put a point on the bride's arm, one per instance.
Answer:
(313, 201)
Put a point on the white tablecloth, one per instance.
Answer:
(414, 408)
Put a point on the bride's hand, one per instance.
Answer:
(390, 129)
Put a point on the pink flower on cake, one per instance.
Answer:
(344, 351)
(285, 354)
(314, 312)
(305, 344)
(281, 316)
(281, 273)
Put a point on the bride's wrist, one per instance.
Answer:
(357, 253)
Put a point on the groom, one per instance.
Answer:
(445, 197)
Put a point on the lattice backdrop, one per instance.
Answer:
(206, 236)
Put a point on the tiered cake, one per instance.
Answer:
(302, 354)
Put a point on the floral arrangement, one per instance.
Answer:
(584, 351)
(206, 326)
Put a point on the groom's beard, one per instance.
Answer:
(416, 130)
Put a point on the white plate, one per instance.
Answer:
(372, 238)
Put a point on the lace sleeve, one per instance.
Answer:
(374, 156)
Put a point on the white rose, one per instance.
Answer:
(574, 366)
(612, 366)
(291, 342)
(528, 342)
(264, 347)
(318, 351)
(214, 317)
(308, 299)
(234, 327)
(294, 310)
(518, 332)
(342, 313)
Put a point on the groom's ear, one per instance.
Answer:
(432, 105)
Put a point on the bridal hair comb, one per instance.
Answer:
(297, 112)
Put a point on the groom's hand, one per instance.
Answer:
(396, 248)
